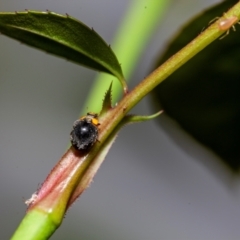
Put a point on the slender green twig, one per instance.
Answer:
(141, 18)
(50, 218)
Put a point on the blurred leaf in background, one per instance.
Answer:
(203, 96)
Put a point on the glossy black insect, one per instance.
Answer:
(85, 132)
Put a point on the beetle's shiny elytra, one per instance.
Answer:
(85, 131)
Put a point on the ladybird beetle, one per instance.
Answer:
(85, 131)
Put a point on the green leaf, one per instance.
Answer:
(203, 95)
(63, 36)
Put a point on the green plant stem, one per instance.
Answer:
(139, 22)
(111, 122)
(44, 228)
(114, 116)
(160, 74)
